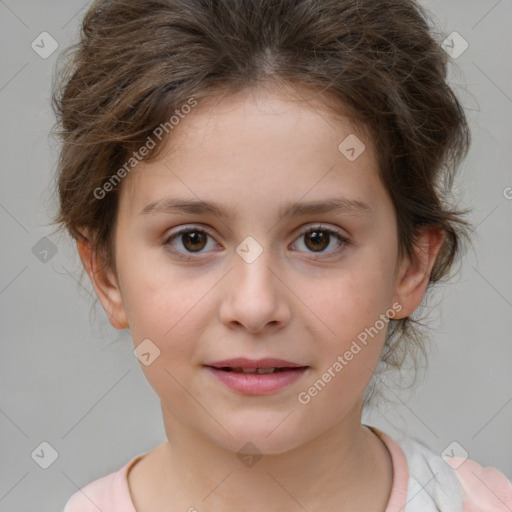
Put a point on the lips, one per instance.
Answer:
(256, 377)
(244, 364)
(260, 371)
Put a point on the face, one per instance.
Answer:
(309, 286)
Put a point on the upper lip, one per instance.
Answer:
(242, 362)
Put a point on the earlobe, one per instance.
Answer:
(105, 284)
(413, 277)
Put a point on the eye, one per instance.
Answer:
(318, 238)
(193, 239)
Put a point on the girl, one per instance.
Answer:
(257, 191)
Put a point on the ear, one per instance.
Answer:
(105, 285)
(414, 273)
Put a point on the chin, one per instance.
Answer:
(260, 437)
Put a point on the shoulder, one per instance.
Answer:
(484, 488)
(109, 492)
(458, 483)
(432, 482)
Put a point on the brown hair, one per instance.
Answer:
(138, 62)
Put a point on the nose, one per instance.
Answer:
(255, 296)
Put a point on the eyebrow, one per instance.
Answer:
(334, 204)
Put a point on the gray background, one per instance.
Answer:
(70, 379)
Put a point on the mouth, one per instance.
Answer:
(256, 377)
(259, 371)
(242, 363)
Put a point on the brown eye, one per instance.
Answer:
(192, 240)
(318, 239)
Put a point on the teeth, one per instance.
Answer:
(254, 370)
(266, 370)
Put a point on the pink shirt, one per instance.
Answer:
(422, 482)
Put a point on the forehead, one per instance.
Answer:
(300, 110)
(257, 140)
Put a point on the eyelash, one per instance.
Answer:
(343, 240)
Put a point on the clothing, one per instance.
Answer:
(422, 482)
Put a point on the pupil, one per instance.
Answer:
(196, 237)
(320, 237)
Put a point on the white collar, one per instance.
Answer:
(433, 485)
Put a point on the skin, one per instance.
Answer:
(252, 152)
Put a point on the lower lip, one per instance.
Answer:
(258, 383)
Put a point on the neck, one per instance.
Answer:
(339, 467)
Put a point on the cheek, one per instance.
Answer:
(351, 304)
(350, 338)
(172, 318)
(351, 299)
(169, 307)
(162, 312)
(155, 295)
